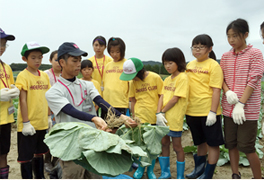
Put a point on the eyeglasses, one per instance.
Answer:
(3, 45)
(198, 47)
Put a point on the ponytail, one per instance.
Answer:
(212, 55)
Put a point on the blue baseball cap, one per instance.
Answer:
(3, 35)
(71, 49)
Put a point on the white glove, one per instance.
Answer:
(161, 120)
(238, 114)
(211, 118)
(28, 129)
(14, 92)
(4, 94)
(231, 97)
(50, 122)
(263, 128)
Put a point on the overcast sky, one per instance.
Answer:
(148, 27)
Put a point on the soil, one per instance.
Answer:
(223, 172)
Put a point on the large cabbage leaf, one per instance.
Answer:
(147, 137)
(97, 151)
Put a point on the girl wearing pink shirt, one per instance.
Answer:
(243, 68)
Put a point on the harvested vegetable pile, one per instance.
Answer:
(104, 153)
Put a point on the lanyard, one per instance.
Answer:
(53, 75)
(101, 74)
(5, 77)
(71, 93)
(37, 70)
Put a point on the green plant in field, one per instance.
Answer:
(15, 103)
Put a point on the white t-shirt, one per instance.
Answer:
(58, 96)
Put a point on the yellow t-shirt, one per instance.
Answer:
(8, 79)
(96, 74)
(115, 90)
(36, 87)
(202, 77)
(97, 86)
(146, 93)
(178, 86)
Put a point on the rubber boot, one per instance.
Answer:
(150, 169)
(180, 169)
(199, 162)
(164, 167)
(139, 172)
(26, 170)
(4, 172)
(209, 172)
(38, 167)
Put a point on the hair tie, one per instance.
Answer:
(113, 39)
(99, 40)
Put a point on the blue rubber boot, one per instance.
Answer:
(180, 169)
(165, 167)
(139, 172)
(209, 172)
(150, 169)
(199, 167)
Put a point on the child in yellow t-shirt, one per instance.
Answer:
(99, 60)
(7, 93)
(33, 119)
(171, 110)
(115, 90)
(203, 113)
(145, 90)
(87, 70)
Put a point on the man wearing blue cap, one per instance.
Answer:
(71, 100)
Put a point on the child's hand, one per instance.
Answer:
(4, 94)
(211, 118)
(28, 129)
(161, 120)
(238, 114)
(231, 97)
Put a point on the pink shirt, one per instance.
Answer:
(51, 77)
(240, 70)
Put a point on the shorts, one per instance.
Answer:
(30, 145)
(5, 136)
(175, 133)
(241, 136)
(70, 170)
(201, 133)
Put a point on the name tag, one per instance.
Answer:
(11, 110)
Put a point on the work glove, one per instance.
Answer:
(231, 97)
(4, 95)
(49, 122)
(238, 114)
(211, 118)
(28, 129)
(161, 120)
(13, 92)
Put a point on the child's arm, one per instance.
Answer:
(28, 129)
(246, 95)
(133, 102)
(211, 117)
(160, 104)
(170, 104)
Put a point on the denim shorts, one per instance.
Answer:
(175, 133)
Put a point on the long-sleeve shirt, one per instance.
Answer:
(242, 69)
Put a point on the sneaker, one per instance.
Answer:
(236, 176)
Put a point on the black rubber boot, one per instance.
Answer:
(199, 162)
(38, 168)
(209, 172)
(4, 172)
(26, 170)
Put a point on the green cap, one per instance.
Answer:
(130, 69)
(34, 45)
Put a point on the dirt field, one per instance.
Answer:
(223, 172)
